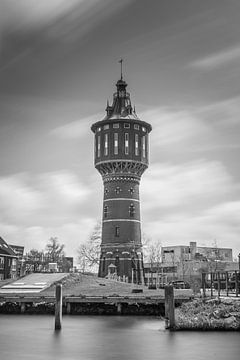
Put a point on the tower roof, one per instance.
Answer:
(121, 107)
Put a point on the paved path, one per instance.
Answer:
(32, 283)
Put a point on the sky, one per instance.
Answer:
(59, 65)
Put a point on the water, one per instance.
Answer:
(25, 337)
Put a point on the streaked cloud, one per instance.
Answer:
(217, 59)
(75, 129)
(174, 125)
(192, 185)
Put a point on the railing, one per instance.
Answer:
(225, 283)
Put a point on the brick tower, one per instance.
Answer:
(121, 157)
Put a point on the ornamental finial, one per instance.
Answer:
(121, 61)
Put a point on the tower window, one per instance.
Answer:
(136, 145)
(126, 126)
(126, 143)
(136, 127)
(106, 127)
(115, 126)
(144, 146)
(106, 144)
(143, 129)
(99, 129)
(105, 211)
(131, 210)
(104, 264)
(115, 143)
(98, 145)
(117, 231)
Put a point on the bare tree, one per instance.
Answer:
(89, 251)
(54, 250)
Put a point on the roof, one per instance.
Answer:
(121, 108)
(5, 249)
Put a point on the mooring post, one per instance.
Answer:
(169, 307)
(68, 308)
(119, 308)
(58, 307)
(23, 307)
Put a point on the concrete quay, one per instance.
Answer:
(82, 292)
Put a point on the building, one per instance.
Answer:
(8, 261)
(187, 262)
(121, 156)
(174, 254)
(19, 251)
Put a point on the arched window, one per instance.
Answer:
(115, 143)
(98, 146)
(106, 144)
(117, 231)
(131, 210)
(144, 146)
(126, 143)
(136, 145)
(104, 264)
(105, 211)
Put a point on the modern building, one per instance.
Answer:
(174, 254)
(187, 262)
(8, 261)
(121, 156)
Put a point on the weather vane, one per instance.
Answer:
(121, 61)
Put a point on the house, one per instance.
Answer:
(19, 251)
(8, 261)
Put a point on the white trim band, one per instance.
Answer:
(122, 220)
(129, 199)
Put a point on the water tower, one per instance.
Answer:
(121, 156)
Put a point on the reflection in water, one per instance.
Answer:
(104, 338)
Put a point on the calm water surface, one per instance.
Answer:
(103, 337)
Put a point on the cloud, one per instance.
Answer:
(35, 207)
(49, 198)
(71, 234)
(218, 59)
(224, 113)
(30, 13)
(180, 230)
(174, 125)
(75, 129)
(192, 129)
(190, 184)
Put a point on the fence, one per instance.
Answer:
(225, 283)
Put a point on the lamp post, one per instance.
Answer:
(239, 261)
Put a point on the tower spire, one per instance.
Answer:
(121, 61)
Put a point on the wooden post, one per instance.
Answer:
(58, 307)
(23, 307)
(119, 308)
(68, 308)
(169, 307)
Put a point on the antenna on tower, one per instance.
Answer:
(121, 61)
